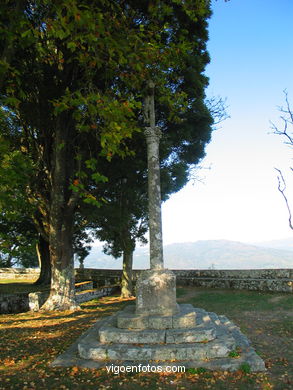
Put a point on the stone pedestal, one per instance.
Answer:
(156, 293)
(192, 338)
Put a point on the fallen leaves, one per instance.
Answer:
(32, 340)
(9, 362)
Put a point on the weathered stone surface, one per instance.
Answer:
(109, 334)
(211, 338)
(14, 303)
(132, 321)
(37, 299)
(156, 293)
(186, 318)
(95, 352)
(160, 322)
(212, 355)
(153, 135)
(128, 319)
(193, 335)
(185, 351)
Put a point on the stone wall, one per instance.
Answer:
(275, 280)
(278, 280)
(99, 277)
(14, 303)
(256, 279)
(22, 302)
(19, 273)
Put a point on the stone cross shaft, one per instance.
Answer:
(155, 288)
(153, 135)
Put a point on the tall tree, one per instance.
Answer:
(54, 89)
(78, 75)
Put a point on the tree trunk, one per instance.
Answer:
(126, 282)
(43, 253)
(62, 293)
(81, 262)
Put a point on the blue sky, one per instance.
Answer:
(251, 64)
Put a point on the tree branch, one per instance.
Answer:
(282, 189)
(287, 118)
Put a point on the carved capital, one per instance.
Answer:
(153, 132)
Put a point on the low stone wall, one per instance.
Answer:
(19, 273)
(22, 302)
(14, 303)
(37, 299)
(278, 280)
(99, 277)
(275, 280)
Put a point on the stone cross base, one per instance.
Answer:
(193, 337)
(156, 293)
(157, 329)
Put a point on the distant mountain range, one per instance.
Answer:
(284, 244)
(217, 254)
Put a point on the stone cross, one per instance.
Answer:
(155, 288)
(153, 135)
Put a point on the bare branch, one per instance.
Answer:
(282, 189)
(194, 176)
(218, 108)
(287, 119)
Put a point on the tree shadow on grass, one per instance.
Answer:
(96, 308)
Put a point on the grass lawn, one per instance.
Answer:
(30, 341)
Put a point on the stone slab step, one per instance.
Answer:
(200, 334)
(110, 334)
(128, 319)
(88, 352)
(220, 347)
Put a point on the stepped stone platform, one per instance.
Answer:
(192, 338)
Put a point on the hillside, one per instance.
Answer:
(218, 254)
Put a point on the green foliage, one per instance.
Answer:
(74, 94)
(17, 242)
(122, 217)
(199, 370)
(245, 368)
(15, 167)
(17, 234)
(235, 353)
(176, 39)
